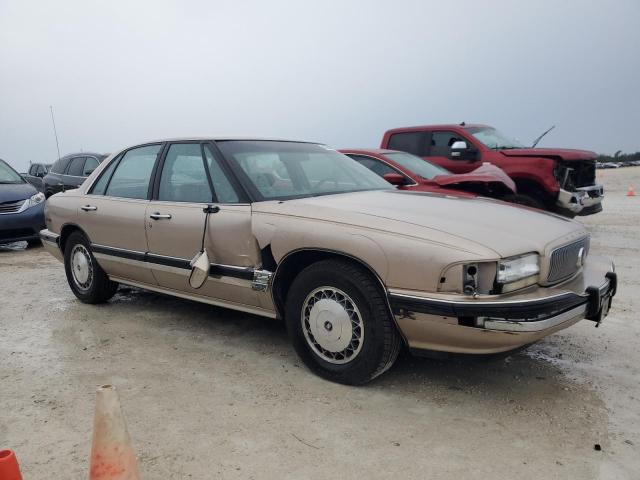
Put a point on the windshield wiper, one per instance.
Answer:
(535, 142)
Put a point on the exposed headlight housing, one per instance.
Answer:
(37, 199)
(518, 272)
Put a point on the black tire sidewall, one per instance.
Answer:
(91, 295)
(368, 359)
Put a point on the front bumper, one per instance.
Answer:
(501, 323)
(51, 243)
(582, 201)
(16, 227)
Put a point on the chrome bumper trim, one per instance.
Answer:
(577, 313)
(583, 197)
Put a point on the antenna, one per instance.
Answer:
(55, 133)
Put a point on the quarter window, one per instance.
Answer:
(75, 167)
(100, 186)
(412, 142)
(132, 175)
(184, 178)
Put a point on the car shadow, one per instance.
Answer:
(505, 377)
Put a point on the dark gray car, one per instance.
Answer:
(70, 171)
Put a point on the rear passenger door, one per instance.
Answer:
(190, 177)
(113, 214)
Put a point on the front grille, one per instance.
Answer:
(572, 175)
(565, 260)
(11, 207)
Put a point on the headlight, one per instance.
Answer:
(37, 199)
(516, 268)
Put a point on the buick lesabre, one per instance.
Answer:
(298, 231)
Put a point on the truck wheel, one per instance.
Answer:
(339, 323)
(87, 280)
(522, 199)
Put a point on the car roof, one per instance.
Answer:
(443, 126)
(221, 138)
(371, 151)
(83, 154)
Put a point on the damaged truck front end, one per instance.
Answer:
(579, 193)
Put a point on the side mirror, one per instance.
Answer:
(457, 148)
(394, 178)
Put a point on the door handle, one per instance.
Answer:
(160, 216)
(89, 208)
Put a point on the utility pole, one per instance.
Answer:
(55, 133)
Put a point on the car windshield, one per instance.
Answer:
(8, 174)
(417, 165)
(285, 170)
(492, 138)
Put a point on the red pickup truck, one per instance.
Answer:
(558, 180)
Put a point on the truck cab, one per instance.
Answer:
(558, 180)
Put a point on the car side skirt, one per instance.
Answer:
(197, 298)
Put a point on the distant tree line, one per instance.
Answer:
(619, 157)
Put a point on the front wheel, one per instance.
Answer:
(86, 278)
(339, 323)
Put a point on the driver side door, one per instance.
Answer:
(438, 150)
(190, 177)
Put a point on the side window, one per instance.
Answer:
(225, 193)
(33, 170)
(441, 143)
(40, 170)
(376, 166)
(60, 166)
(75, 167)
(183, 177)
(412, 142)
(131, 177)
(89, 166)
(101, 184)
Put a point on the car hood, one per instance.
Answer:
(563, 153)
(16, 192)
(503, 228)
(487, 174)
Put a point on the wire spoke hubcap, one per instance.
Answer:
(332, 325)
(81, 267)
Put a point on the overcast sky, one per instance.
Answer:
(340, 72)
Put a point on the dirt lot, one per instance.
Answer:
(210, 393)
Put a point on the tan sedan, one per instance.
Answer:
(299, 231)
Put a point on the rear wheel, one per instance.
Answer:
(86, 278)
(339, 323)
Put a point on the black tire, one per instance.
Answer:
(97, 288)
(380, 341)
(526, 200)
(36, 242)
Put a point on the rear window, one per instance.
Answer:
(76, 166)
(60, 166)
(411, 142)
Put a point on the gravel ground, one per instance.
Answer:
(211, 393)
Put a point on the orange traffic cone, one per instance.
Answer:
(112, 456)
(631, 192)
(9, 469)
